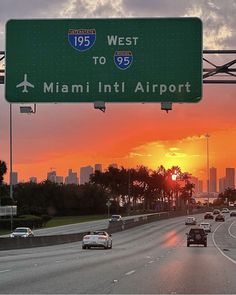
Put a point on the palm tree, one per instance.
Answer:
(3, 170)
(172, 186)
(187, 193)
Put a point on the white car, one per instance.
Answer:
(225, 210)
(115, 218)
(191, 221)
(97, 239)
(22, 232)
(206, 226)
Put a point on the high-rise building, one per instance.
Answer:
(230, 178)
(51, 176)
(14, 178)
(213, 180)
(59, 179)
(33, 179)
(222, 184)
(200, 186)
(85, 173)
(71, 178)
(98, 167)
(194, 180)
(113, 165)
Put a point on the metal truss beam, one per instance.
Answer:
(223, 71)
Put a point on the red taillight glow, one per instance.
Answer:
(102, 238)
(86, 238)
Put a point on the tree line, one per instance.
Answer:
(136, 189)
(226, 197)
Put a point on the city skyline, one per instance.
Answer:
(216, 184)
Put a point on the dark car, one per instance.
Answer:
(220, 217)
(197, 236)
(208, 215)
(232, 213)
(216, 211)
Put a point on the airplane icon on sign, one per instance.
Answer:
(25, 84)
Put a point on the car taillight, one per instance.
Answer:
(102, 238)
(86, 238)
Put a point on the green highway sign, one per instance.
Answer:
(110, 60)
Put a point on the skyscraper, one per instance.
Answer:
(71, 178)
(195, 181)
(59, 179)
(113, 165)
(213, 181)
(200, 186)
(33, 179)
(51, 176)
(98, 167)
(230, 178)
(85, 173)
(221, 184)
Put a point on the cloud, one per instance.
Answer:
(92, 9)
(218, 30)
(68, 9)
(132, 155)
(173, 149)
(178, 155)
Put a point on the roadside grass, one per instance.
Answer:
(4, 232)
(64, 220)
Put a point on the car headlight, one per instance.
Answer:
(25, 236)
(11, 236)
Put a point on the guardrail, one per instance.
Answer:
(40, 241)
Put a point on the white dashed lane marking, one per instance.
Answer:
(130, 272)
(5, 270)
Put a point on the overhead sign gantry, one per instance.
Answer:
(110, 60)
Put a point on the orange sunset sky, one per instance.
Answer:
(63, 136)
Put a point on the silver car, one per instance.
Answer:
(115, 218)
(191, 221)
(22, 232)
(206, 226)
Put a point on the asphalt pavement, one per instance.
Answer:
(149, 259)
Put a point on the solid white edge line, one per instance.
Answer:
(221, 252)
(233, 236)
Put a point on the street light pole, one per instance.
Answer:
(208, 178)
(11, 186)
(28, 110)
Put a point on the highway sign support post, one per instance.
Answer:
(104, 60)
(108, 203)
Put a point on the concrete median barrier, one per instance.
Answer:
(19, 243)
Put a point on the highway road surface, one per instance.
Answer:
(149, 259)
